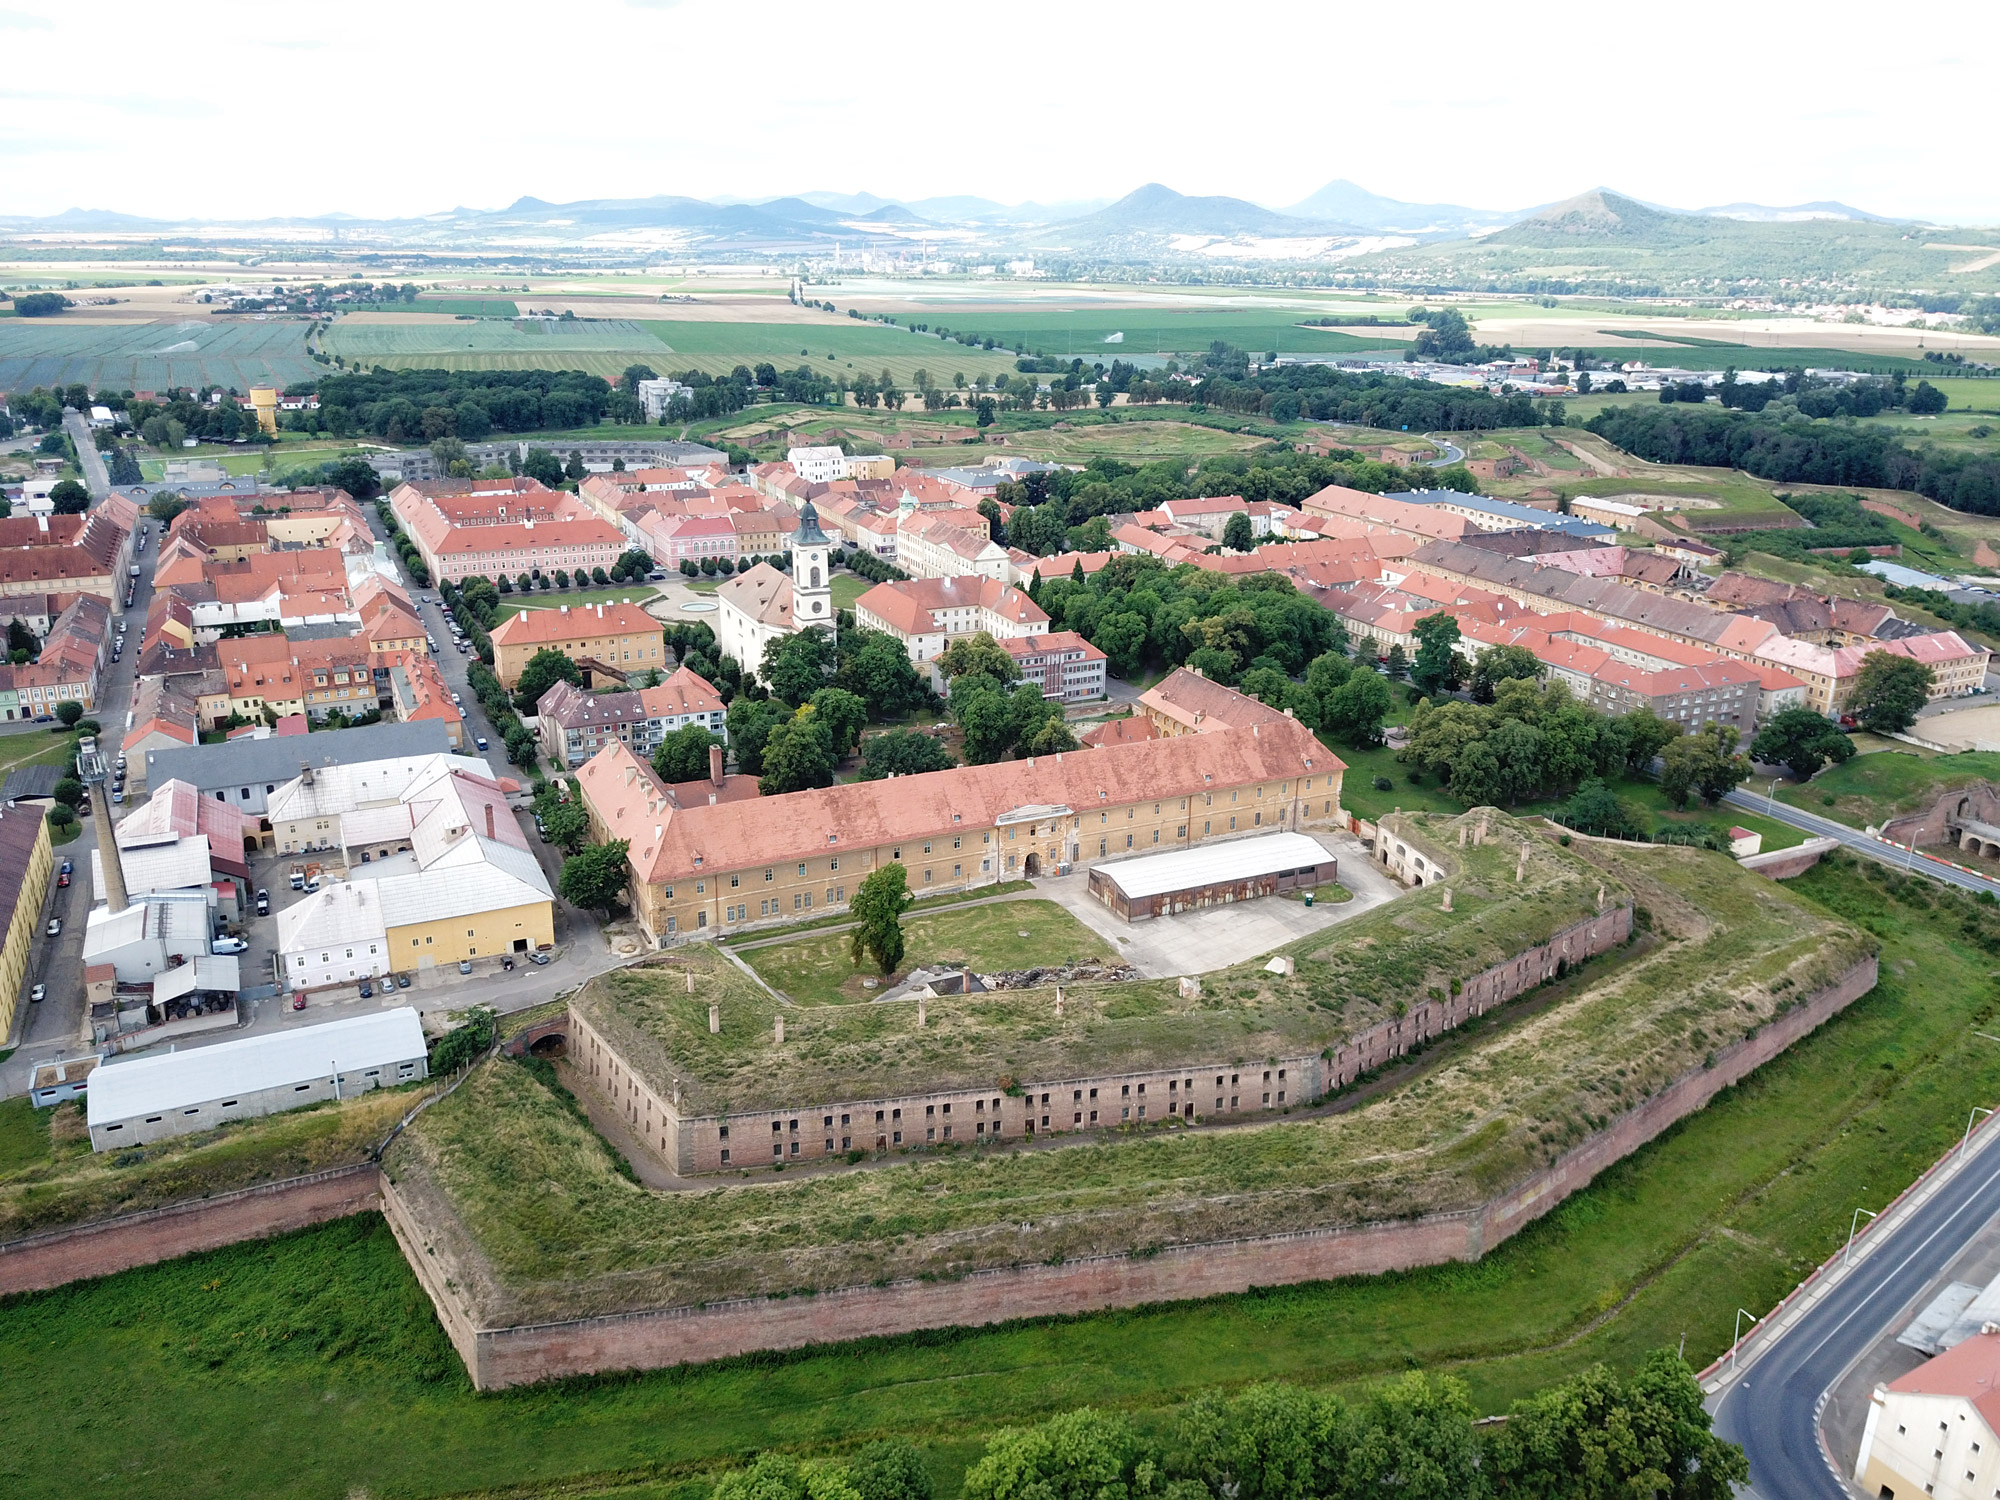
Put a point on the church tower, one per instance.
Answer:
(812, 574)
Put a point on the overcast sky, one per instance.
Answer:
(224, 108)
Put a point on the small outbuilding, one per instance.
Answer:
(177, 1093)
(1158, 885)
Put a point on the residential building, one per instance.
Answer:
(818, 465)
(1209, 515)
(1424, 522)
(930, 546)
(50, 554)
(73, 654)
(759, 606)
(656, 395)
(707, 867)
(1062, 664)
(574, 723)
(1935, 1432)
(618, 635)
(1646, 672)
(418, 691)
(154, 1098)
(925, 614)
(499, 528)
(25, 862)
(672, 539)
(1185, 702)
(1126, 731)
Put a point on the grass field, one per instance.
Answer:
(1871, 789)
(818, 970)
(844, 347)
(152, 356)
(848, 587)
(311, 1365)
(602, 347)
(1156, 330)
(637, 593)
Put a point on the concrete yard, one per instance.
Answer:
(1199, 941)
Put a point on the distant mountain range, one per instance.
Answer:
(1151, 223)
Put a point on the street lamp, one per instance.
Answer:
(1736, 1338)
(1853, 1225)
(1977, 1111)
(1770, 799)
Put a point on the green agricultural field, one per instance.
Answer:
(1871, 789)
(312, 1365)
(601, 346)
(1067, 333)
(819, 971)
(839, 348)
(153, 356)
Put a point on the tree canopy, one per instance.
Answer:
(594, 877)
(543, 671)
(1888, 692)
(877, 909)
(1803, 740)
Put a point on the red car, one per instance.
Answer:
(61, 881)
(299, 1000)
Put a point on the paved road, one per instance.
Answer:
(1773, 1408)
(1856, 840)
(1448, 453)
(96, 477)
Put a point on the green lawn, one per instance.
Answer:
(1871, 789)
(637, 593)
(848, 587)
(311, 1365)
(818, 970)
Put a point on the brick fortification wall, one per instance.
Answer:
(98, 1249)
(645, 1340)
(1477, 995)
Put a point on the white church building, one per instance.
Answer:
(758, 606)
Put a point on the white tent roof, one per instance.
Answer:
(1240, 859)
(120, 1090)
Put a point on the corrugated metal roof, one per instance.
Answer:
(1242, 859)
(348, 911)
(122, 1090)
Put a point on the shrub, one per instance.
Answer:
(1384, 784)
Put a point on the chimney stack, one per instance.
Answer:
(715, 764)
(489, 820)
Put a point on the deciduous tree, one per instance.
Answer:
(877, 910)
(1888, 692)
(594, 878)
(1801, 739)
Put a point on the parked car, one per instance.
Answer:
(39, 993)
(402, 981)
(367, 990)
(457, 700)
(228, 945)
(117, 797)
(299, 1000)
(465, 966)
(480, 739)
(507, 964)
(263, 903)
(61, 881)
(538, 959)
(69, 867)
(55, 926)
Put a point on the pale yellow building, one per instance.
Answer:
(25, 861)
(619, 635)
(1933, 1431)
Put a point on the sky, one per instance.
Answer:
(229, 110)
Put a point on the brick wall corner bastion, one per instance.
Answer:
(656, 1338)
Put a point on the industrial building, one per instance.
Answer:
(1158, 885)
(178, 1093)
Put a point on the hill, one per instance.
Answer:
(1344, 202)
(1157, 210)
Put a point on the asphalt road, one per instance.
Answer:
(96, 477)
(1773, 1409)
(1448, 453)
(1856, 840)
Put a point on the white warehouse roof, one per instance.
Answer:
(1240, 859)
(176, 1080)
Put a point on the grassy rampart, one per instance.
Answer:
(559, 1233)
(1346, 979)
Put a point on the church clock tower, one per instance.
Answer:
(812, 574)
